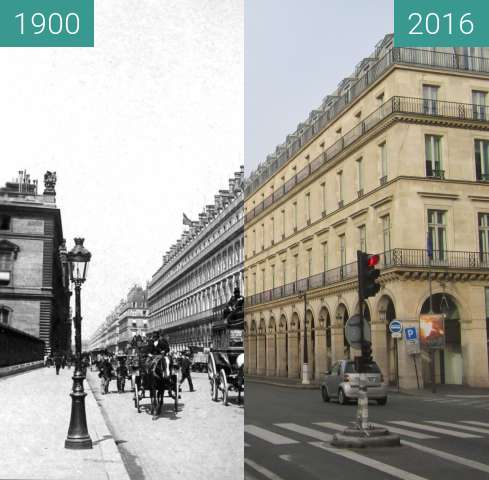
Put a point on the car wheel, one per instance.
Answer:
(342, 400)
(382, 401)
(324, 394)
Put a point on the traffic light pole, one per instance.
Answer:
(362, 408)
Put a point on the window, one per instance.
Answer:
(254, 241)
(433, 157)
(283, 223)
(340, 189)
(323, 198)
(8, 254)
(484, 236)
(273, 276)
(263, 280)
(383, 163)
(479, 104)
(386, 232)
(272, 221)
(284, 273)
(362, 238)
(262, 236)
(296, 267)
(437, 233)
(325, 256)
(342, 245)
(309, 262)
(294, 207)
(4, 315)
(482, 160)
(308, 208)
(4, 222)
(360, 176)
(430, 96)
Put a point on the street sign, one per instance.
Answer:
(353, 332)
(411, 334)
(395, 327)
(412, 340)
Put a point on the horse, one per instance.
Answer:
(157, 380)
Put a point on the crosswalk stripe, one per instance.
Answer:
(473, 422)
(369, 462)
(264, 471)
(406, 433)
(449, 456)
(472, 403)
(268, 436)
(331, 425)
(309, 432)
(430, 428)
(461, 427)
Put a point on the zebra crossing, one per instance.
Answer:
(473, 401)
(414, 434)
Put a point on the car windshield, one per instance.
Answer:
(371, 368)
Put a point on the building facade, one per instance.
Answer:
(128, 319)
(34, 283)
(399, 153)
(200, 271)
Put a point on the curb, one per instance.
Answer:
(21, 367)
(111, 456)
(299, 386)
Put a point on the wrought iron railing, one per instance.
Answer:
(395, 105)
(404, 56)
(398, 257)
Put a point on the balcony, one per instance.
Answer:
(437, 173)
(399, 56)
(460, 265)
(394, 106)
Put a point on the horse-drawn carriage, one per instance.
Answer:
(156, 374)
(226, 357)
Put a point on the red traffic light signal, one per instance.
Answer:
(373, 260)
(367, 274)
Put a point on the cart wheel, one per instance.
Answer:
(136, 397)
(214, 388)
(175, 393)
(224, 386)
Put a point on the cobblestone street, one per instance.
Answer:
(203, 440)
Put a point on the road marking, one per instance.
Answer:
(472, 403)
(406, 433)
(468, 396)
(449, 456)
(331, 425)
(267, 436)
(369, 462)
(264, 471)
(308, 432)
(461, 427)
(429, 428)
(473, 422)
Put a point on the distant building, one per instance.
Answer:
(128, 319)
(200, 271)
(34, 284)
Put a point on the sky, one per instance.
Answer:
(143, 127)
(296, 53)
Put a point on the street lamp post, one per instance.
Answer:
(305, 365)
(78, 437)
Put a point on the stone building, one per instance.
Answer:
(34, 282)
(399, 152)
(200, 271)
(129, 318)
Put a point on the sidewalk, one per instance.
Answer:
(34, 419)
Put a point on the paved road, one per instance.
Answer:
(287, 434)
(203, 440)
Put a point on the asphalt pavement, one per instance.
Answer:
(203, 440)
(288, 433)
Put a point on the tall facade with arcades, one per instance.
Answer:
(394, 162)
(34, 282)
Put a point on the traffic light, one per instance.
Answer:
(367, 274)
(367, 352)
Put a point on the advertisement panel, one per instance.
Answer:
(432, 330)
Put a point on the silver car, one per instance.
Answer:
(342, 382)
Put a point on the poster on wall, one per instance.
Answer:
(432, 330)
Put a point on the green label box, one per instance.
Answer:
(47, 23)
(441, 23)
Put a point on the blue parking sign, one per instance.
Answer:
(411, 333)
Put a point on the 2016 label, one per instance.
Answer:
(432, 23)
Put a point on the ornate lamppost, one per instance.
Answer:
(78, 437)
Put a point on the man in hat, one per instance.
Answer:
(186, 367)
(121, 372)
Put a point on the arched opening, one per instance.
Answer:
(261, 346)
(282, 347)
(341, 318)
(311, 343)
(252, 338)
(449, 360)
(294, 353)
(271, 348)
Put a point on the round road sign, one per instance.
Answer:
(395, 326)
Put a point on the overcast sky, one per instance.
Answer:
(145, 126)
(296, 53)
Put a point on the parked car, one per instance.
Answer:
(342, 382)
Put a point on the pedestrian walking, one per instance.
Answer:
(121, 373)
(57, 363)
(105, 376)
(186, 365)
(63, 361)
